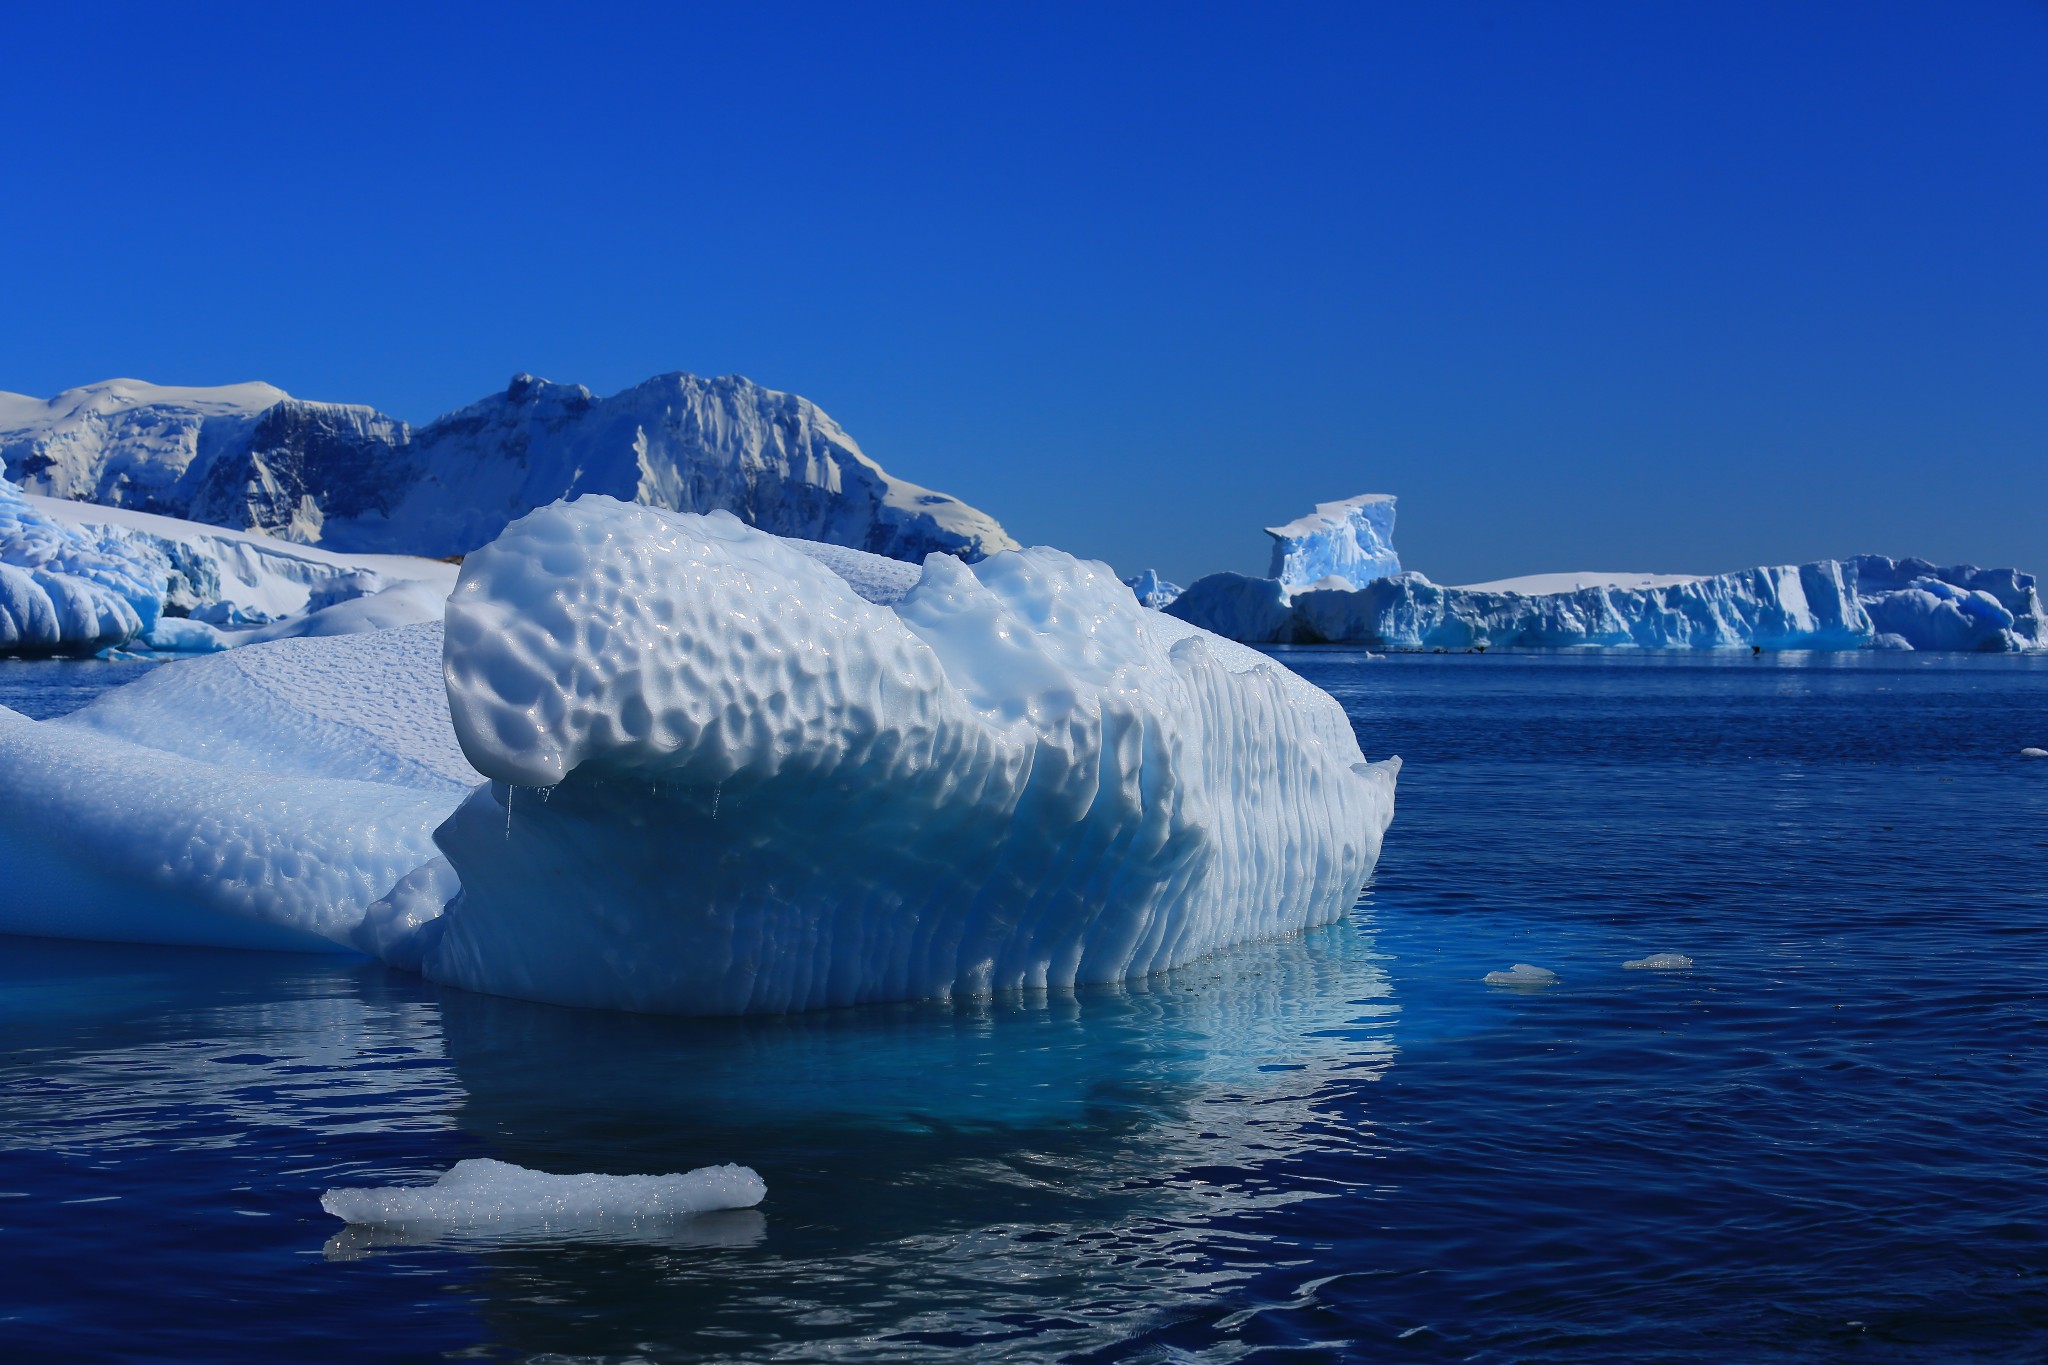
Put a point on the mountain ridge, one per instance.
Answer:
(347, 477)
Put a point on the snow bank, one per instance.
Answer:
(724, 782)
(500, 1197)
(1351, 542)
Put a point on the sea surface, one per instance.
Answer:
(1826, 1141)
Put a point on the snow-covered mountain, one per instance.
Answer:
(349, 478)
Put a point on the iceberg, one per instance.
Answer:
(1954, 607)
(1340, 544)
(666, 762)
(1152, 590)
(1658, 962)
(1522, 974)
(351, 479)
(504, 1199)
(1336, 580)
(1808, 606)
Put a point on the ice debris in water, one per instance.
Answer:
(1522, 974)
(1659, 962)
(481, 1193)
(2034, 753)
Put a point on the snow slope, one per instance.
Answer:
(249, 456)
(720, 772)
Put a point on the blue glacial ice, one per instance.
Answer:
(1325, 588)
(665, 762)
(76, 579)
(1341, 544)
(68, 591)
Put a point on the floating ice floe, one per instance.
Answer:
(2034, 753)
(669, 763)
(1659, 962)
(497, 1197)
(1522, 974)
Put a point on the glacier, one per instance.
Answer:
(667, 762)
(76, 578)
(351, 479)
(1340, 544)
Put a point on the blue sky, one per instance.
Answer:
(1672, 286)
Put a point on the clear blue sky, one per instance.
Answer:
(1638, 286)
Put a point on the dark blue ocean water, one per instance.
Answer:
(1828, 1141)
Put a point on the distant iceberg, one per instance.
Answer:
(665, 762)
(1152, 590)
(1340, 544)
(1325, 588)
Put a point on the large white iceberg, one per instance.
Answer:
(706, 774)
(1340, 544)
(347, 477)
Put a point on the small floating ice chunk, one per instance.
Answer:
(1659, 962)
(2033, 753)
(1522, 974)
(486, 1195)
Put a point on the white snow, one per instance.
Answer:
(1659, 962)
(497, 1196)
(1522, 974)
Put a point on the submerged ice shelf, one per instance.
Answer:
(666, 762)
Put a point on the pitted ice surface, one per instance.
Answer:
(723, 781)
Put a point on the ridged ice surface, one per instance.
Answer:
(724, 781)
(485, 1195)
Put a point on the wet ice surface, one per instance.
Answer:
(1819, 1143)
